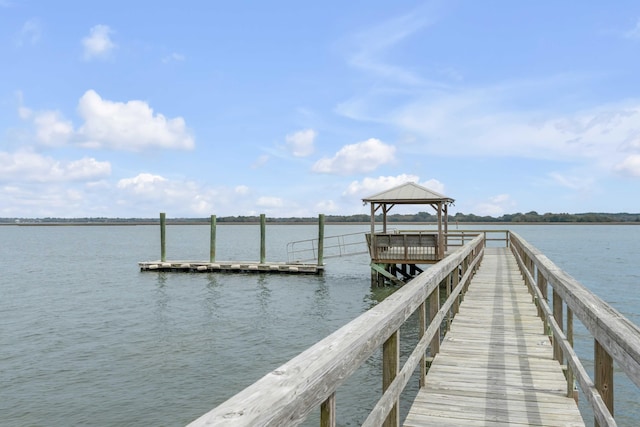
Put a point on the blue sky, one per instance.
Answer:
(289, 108)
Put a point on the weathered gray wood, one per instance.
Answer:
(600, 410)
(604, 376)
(390, 368)
(328, 412)
(230, 267)
(288, 394)
(557, 315)
(570, 375)
(163, 236)
(422, 320)
(263, 239)
(618, 335)
(495, 366)
(434, 307)
(212, 240)
(384, 405)
(321, 239)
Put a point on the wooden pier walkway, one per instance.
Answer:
(495, 366)
(506, 359)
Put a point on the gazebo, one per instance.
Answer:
(395, 252)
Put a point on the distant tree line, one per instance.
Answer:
(529, 217)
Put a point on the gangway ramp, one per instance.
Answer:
(333, 246)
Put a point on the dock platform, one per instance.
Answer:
(495, 366)
(231, 267)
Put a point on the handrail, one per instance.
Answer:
(461, 237)
(287, 395)
(355, 243)
(334, 246)
(615, 337)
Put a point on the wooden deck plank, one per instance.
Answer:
(495, 366)
(231, 267)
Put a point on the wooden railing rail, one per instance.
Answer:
(615, 337)
(287, 395)
(461, 237)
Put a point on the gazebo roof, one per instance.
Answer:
(409, 193)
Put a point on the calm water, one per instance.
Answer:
(86, 339)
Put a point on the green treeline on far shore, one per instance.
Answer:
(421, 217)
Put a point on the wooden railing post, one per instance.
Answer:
(434, 306)
(570, 376)
(390, 368)
(454, 280)
(422, 319)
(542, 285)
(448, 285)
(604, 376)
(557, 315)
(328, 412)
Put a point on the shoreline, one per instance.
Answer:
(271, 223)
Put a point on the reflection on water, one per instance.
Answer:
(211, 295)
(322, 308)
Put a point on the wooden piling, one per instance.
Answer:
(263, 243)
(320, 239)
(212, 245)
(163, 235)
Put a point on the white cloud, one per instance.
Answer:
(144, 183)
(327, 206)
(51, 128)
(369, 186)
(301, 143)
(30, 32)
(98, 43)
(495, 206)
(146, 194)
(269, 202)
(27, 166)
(572, 182)
(629, 166)
(371, 46)
(484, 123)
(241, 190)
(131, 126)
(261, 161)
(364, 157)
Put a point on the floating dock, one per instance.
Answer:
(214, 266)
(231, 267)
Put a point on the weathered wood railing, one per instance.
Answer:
(404, 246)
(615, 338)
(462, 237)
(287, 395)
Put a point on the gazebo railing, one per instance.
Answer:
(404, 247)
